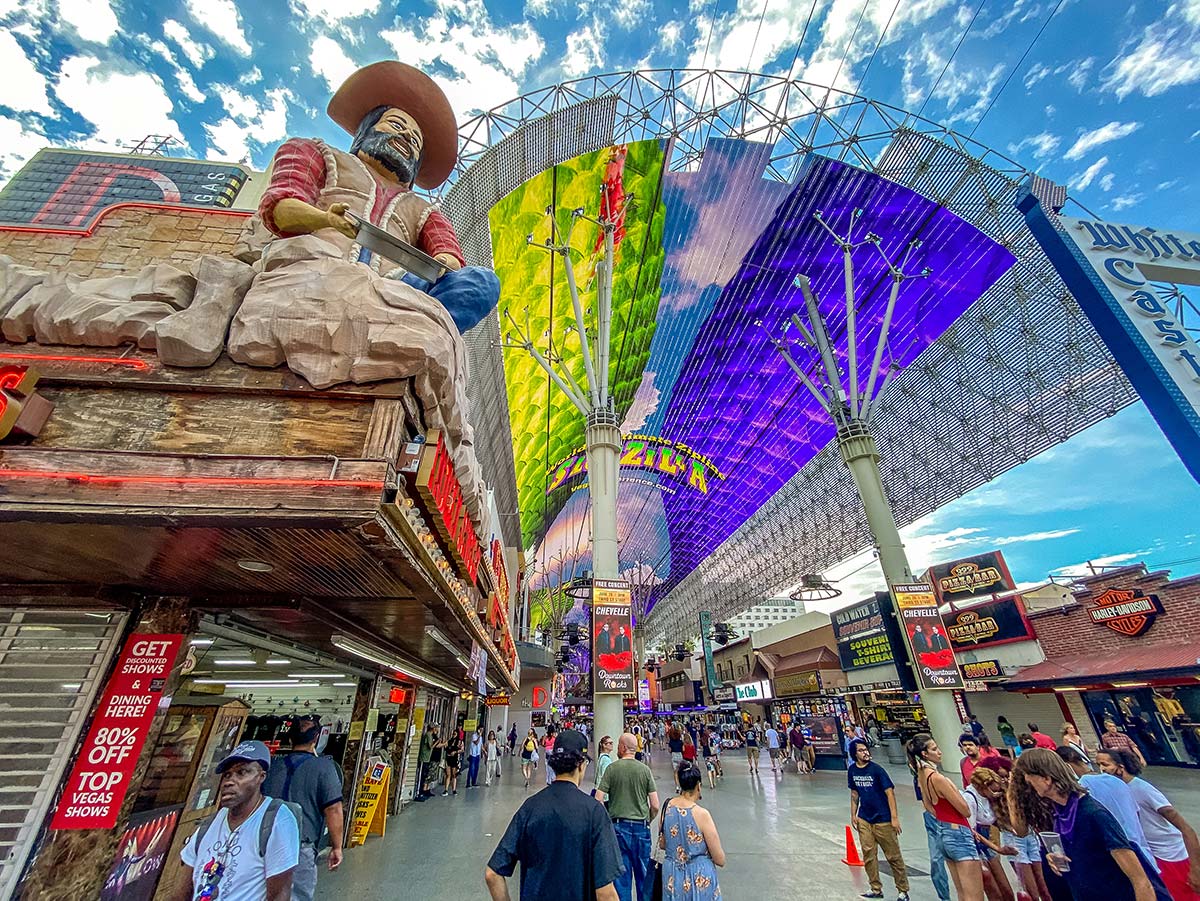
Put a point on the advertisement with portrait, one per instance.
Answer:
(985, 625)
(925, 633)
(612, 638)
(971, 577)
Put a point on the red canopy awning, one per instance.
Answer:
(1145, 662)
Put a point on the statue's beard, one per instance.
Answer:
(379, 146)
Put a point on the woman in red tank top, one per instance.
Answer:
(942, 798)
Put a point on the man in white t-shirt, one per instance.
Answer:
(773, 745)
(229, 862)
(1173, 841)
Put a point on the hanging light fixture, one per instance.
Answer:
(814, 587)
(722, 633)
(580, 589)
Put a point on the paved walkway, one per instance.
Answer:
(783, 835)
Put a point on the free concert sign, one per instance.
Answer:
(612, 638)
(100, 777)
(932, 656)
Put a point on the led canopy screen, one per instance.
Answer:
(714, 396)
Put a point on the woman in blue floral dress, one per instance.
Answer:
(693, 847)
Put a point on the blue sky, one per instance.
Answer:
(1106, 100)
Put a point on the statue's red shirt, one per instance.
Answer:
(300, 173)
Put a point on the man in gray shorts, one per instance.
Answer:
(316, 785)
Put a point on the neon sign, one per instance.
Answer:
(439, 488)
(649, 453)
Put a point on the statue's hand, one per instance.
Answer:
(449, 260)
(335, 216)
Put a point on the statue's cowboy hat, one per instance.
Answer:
(392, 83)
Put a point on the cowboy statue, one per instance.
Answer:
(332, 307)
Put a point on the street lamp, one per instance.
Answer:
(594, 402)
(852, 407)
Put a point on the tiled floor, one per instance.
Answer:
(784, 836)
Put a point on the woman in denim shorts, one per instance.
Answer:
(1028, 859)
(942, 798)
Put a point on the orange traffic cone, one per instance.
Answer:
(852, 858)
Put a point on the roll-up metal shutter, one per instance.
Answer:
(51, 664)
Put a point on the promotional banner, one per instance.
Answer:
(100, 777)
(996, 622)
(861, 638)
(710, 669)
(612, 638)
(370, 810)
(971, 577)
(925, 633)
(141, 853)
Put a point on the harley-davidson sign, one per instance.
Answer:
(1126, 611)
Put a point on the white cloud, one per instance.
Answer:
(1078, 570)
(222, 18)
(1164, 57)
(1079, 73)
(254, 76)
(94, 20)
(187, 84)
(197, 52)
(249, 120)
(1108, 180)
(645, 402)
(669, 36)
(17, 144)
(330, 61)
(1037, 72)
(334, 12)
(1042, 144)
(1035, 536)
(585, 50)
(1122, 203)
(486, 59)
(631, 14)
(23, 87)
(1083, 179)
(1090, 140)
(960, 83)
(123, 106)
(536, 9)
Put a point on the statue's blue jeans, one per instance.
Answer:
(468, 294)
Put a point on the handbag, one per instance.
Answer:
(656, 865)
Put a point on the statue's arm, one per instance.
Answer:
(293, 216)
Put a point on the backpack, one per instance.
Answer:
(265, 825)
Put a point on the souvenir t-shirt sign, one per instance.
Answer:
(932, 656)
(101, 775)
(612, 637)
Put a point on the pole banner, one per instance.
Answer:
(710, 669)
(102, 772)
(612, 638)
(925, 634)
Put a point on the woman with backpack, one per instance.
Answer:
(529, 754)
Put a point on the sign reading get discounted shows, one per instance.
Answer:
(100, 777)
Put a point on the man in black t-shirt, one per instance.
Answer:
(873, 813)
(562, 837)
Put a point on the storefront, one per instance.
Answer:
(1125, 648)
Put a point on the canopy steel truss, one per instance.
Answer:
(1019, 372)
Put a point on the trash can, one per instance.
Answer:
(895, 750)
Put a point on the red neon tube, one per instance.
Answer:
(223, 481)
(140, 365)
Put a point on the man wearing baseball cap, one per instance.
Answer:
(248, 850)
(562, 837)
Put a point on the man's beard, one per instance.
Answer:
(379, 146)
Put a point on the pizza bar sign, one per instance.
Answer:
(1128, 612)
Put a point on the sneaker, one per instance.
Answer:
(903, 896)
(871, 895)
(455, 792)
(444, 793)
